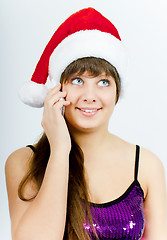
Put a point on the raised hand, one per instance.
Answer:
(53, 121)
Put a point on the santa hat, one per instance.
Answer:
(86, 33)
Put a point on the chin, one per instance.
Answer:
(86, 129)
(83, 127)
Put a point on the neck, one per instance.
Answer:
(90, 141)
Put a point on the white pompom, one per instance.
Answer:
(33, 94)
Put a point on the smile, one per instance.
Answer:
(88, 112)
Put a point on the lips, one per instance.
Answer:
(88, 108)
(88, 111)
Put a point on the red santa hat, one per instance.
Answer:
(86, 33)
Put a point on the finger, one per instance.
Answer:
(58, 97)
(50, 101)
(61, 103)
(54, 90)
(58, 107)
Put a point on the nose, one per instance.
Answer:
(89, 95)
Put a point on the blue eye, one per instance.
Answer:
(77, 81)
(104, 82)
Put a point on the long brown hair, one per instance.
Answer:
(77, 213)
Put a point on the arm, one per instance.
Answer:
(45, 216)
(156, 198)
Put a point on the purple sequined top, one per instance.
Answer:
(122, 218)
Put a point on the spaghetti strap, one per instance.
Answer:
(32, 147)
(137, 161)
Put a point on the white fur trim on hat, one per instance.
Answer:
(87, 43)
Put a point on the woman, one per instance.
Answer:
(79, 181)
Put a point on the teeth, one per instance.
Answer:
(86, 110)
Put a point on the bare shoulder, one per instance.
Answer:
(152, 168)
(151, 162)
(18, 161)
(15, 169)
(148, 161)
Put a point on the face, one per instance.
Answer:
(92, 101)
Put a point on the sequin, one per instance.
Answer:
(120, 219)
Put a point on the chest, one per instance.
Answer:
(108, 178)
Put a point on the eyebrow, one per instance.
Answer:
(91, 76)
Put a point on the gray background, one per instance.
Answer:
(140, 116)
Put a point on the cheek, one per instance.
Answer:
(110, 95)
(109, 99)
(71, 95)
